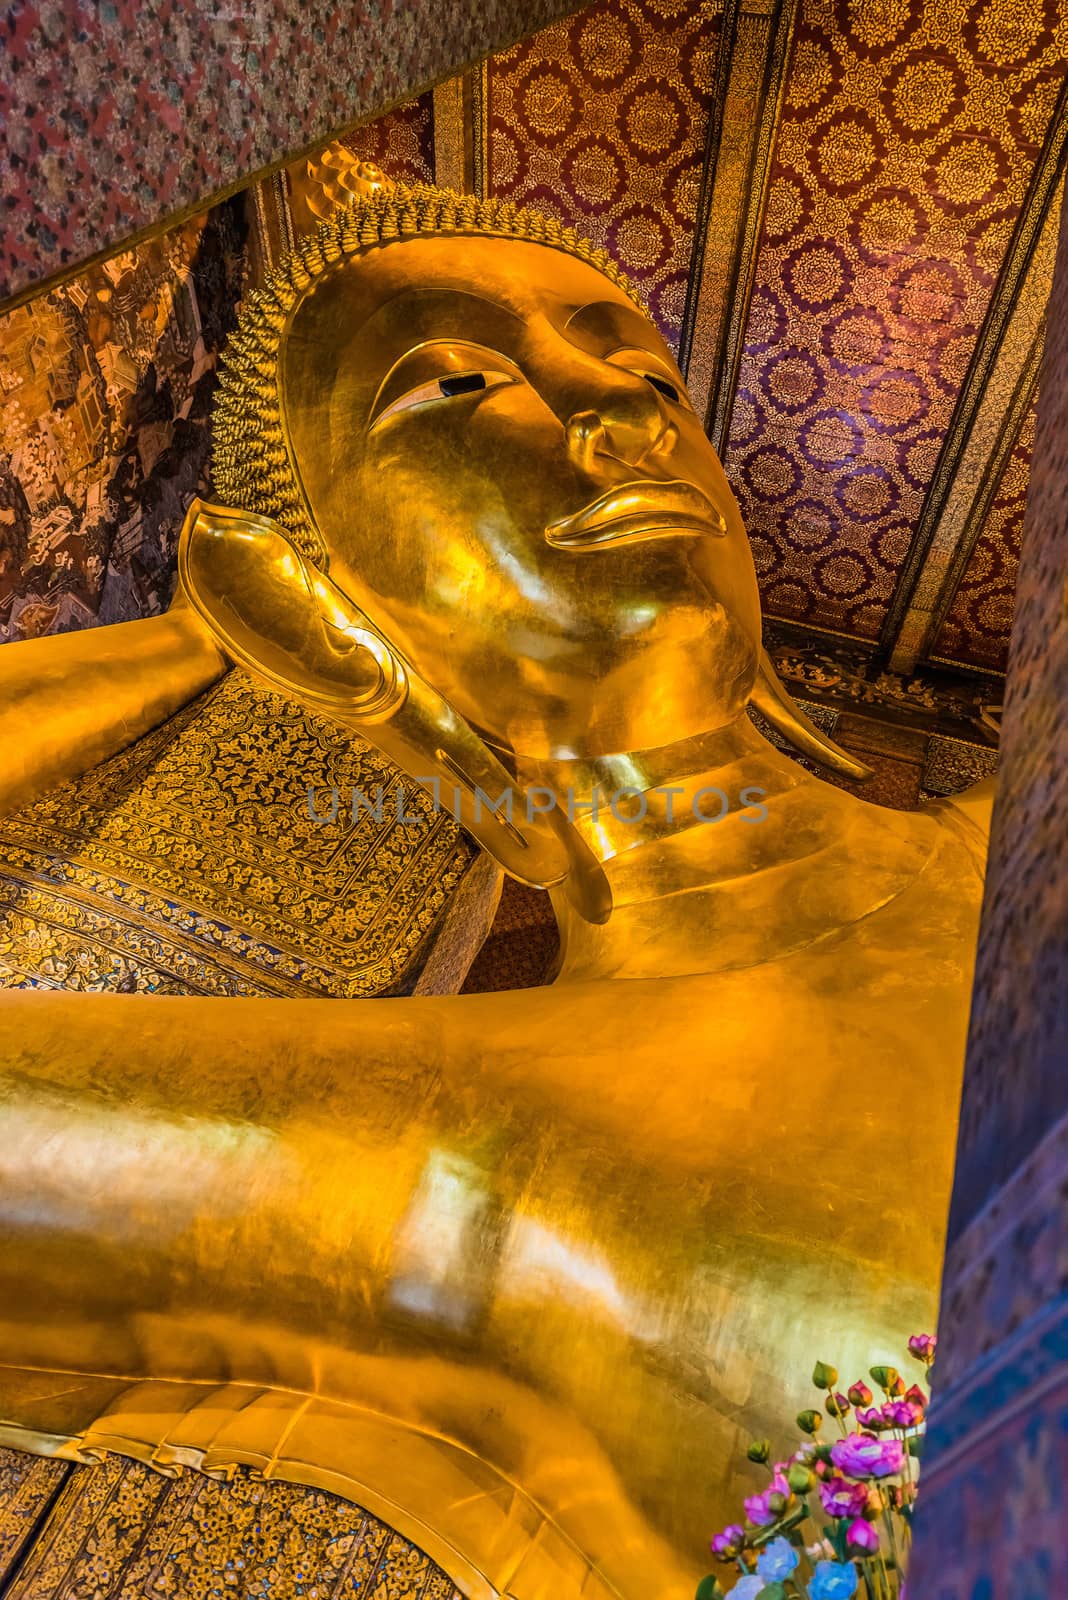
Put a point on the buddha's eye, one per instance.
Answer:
(447, 387)
(663, 387)
(638, 363)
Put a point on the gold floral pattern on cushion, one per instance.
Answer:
(193, 863)
(120, 1531)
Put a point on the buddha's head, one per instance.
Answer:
(462, 414)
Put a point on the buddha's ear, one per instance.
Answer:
(275, 613)
(786, 717)
(272, 611)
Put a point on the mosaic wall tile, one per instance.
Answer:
(106, 387)
(600, 121)
(996, 1463)
(1020, 1009)
(104, 144)
(909, 134)
(977, 626)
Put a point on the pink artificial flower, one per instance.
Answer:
(872, 1419)
(902, 1414)
(863, 1457)
(861, 1538)
(842, 1498)
(923, 1346)
(728, 1544)
(859, 1394)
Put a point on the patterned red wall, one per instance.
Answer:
(977, 627)
(908, 136)
(600, 121)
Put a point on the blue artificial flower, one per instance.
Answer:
(833, 1580)
(777, 1560)
(747, 1588)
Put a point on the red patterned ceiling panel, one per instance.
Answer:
(401, 142)
(908, 136)
(600, 121)
(980, 618)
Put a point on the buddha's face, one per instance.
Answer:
(499, 452)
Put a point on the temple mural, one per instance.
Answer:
(105, 398)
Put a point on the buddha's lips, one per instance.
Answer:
(647, 508)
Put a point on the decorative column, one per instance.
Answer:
(994, 1504)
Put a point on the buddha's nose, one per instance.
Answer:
(626, 438)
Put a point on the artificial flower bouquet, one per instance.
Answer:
(835, 1520)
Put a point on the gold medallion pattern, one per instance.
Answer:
(910, 132)
(599, 121)
(977, 626)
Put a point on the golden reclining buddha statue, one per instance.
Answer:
(519, 1272)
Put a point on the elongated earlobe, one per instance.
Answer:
(787, 718)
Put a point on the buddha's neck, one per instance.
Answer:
(721, 852)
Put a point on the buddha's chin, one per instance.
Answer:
(654, 695)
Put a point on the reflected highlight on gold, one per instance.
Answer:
(519, 1272)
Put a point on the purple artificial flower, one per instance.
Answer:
(758, 1511)
(728, 1544)
(872, 1418)
(764, 1509)
(842, 1498)
(863, 1457)
(861, 1538)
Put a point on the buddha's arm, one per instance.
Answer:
(69, 701)
(567, 1237)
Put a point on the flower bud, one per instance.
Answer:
(729, 1544)
(809, 1421)
(884, 1377)
(897, 1386)
(861, 1538)
(800, 1478)
(837, 1405)
(759, 1450)
(859, 1394)
(778, 1502)
(823, 1376)
(922, 1346)
(709, 1589)
(917, 1396)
